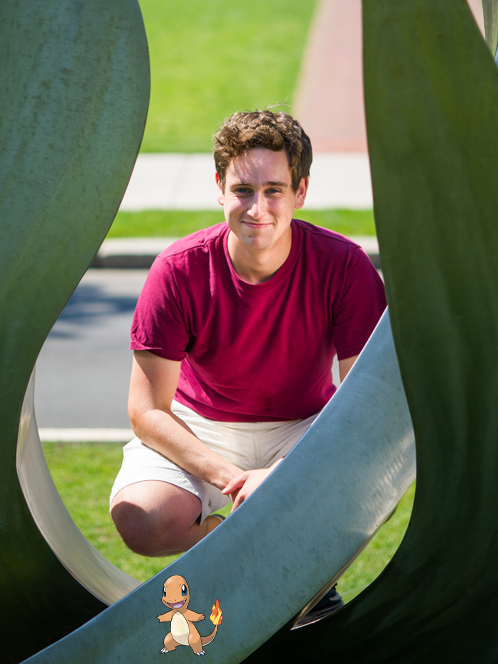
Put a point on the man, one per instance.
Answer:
(234, 336)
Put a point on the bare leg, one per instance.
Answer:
(158, 519)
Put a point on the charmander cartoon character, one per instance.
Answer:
(176, 596)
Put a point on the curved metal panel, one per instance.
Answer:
(301, 528)
(75, 82)
(79, 557)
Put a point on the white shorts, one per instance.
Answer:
(248, 445)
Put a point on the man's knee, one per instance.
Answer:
(154, 528)
(140, 532)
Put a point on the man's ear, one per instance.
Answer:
(220, 197)
(301, 192)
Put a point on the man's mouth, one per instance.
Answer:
(175, 605)
(255, 224)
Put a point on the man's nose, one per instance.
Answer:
(258, 206)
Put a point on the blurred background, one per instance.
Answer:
(208, 60)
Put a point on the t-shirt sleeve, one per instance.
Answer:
(158, 323)
(359, 307)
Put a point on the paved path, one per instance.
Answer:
(329, 101)
(83, 370)
(186, 182)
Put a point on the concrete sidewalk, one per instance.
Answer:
(187, 182)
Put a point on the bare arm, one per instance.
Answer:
(152, 388)
(345, 366)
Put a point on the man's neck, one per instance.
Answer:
(257, 266)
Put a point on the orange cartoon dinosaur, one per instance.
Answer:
(176, 596)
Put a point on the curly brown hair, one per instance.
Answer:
(263, 129)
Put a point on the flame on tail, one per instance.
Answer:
(215, 616)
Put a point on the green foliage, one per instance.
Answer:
(177, 223)
(209, 59)
(84, 473)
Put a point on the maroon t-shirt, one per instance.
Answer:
(258, 352)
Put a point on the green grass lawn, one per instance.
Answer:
(177, 223)
(84, 473)
(209, 59)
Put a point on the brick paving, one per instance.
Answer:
(329, 99)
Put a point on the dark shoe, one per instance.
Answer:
(330, 603)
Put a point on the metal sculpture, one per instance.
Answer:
(75, 84)
(431, 94)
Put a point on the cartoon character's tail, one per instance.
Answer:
(216, 618)
(207, 639)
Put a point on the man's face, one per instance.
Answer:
(258, 198)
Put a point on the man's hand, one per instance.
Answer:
(244, 484)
